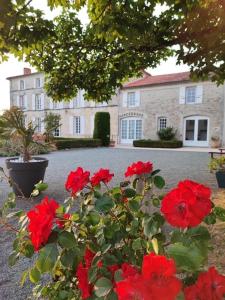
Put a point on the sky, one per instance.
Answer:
(13, 67)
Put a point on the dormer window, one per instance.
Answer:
(22, 85)
(131, 99)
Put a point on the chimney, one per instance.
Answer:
(26, 71)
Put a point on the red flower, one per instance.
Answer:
(77, 180)
(210, 285)
(187, 205)
(82, 274)
(128, 270)
(157, 281)
(102, 175)
(41, 222)
(139, 168)
(61, 222)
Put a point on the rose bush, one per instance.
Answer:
(126, 242)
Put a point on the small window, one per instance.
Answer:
(38, 82)
(56, 132)
(38, 102)
(22, 85)
(190, 94)
(131, 99)
(162, 123)
(38, 124)
(21, 102)
(76, 125)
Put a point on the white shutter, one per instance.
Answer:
(71, 103)
(182, 95)
(42, 101)
(124, 94)
(25, 102)
(199, 92)
(71, 125)
(42, 125)
(137, 98)
(33, 102)
(18, 101)
(82, 125)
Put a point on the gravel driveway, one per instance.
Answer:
(175, 166)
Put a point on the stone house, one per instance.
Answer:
(141, 107)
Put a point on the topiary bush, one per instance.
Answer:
(167, 134)
(102, 127)
(158, 144)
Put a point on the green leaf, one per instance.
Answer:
(187, 258)
(210, 219)
(129, 193)
(137, 244)
(134, 205)
(13, 258)
(34, 275)
(24, 277)
(92, 274)
(41, 186)
(93, 218)
(69, 258)
(47, 258)
(104, 204)
(67, 240)
(220, 213)
(103, 287)
(159, 182)
(155, 172)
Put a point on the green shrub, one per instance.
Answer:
(69, 143)
(167, 134)
(102, 127)
(157, 144)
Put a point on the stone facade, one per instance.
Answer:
(139, 110)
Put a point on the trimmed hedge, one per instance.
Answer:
(102, 127)
(69, 143)
(158, 144)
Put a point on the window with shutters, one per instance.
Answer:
(131, 99)
(22, 101)
(22, 85)
(76, 125)
(190, 94)
(38, 82)
(38, 105)
(38, 124)
(162, 123)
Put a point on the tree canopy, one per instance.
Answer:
(122, 38)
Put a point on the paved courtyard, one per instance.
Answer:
(175, 166)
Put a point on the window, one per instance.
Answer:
(38, 82)
(56, 132)
(21, 102)
(38, 102)
(38, 124)
(55, 105)
(131, 99)
(25, 120)
(190, 94)
(76, 125)
(162, 123)
(22, 85)
(131, 129)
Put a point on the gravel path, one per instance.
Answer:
(175, 166)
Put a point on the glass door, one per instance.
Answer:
(130, 130)
(196, 131)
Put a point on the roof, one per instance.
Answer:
(23, 75)
(158, 79)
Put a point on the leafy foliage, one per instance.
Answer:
(52, 122)
(167, 134)
(102, 127)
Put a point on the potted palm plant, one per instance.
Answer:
(25, 170)
(217, 165)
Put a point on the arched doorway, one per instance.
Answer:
(196, 131)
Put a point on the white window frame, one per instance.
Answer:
(191, 94)
(38, 102)
(38, 79)
(125, 130)
(162, 123)
(195, 142)
(22, 86)
(76, 125)
(22, 101)
(131, 99)
(38, 123)
(57, 132)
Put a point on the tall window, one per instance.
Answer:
(38, 102)
(21, 102)
(76, 125)
(22, 85)
(190, 94)
(162, 123)
(38, 124)
(38, 82)
(131, 99)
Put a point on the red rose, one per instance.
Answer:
(186, 205)
(156, 282)
(210, 285)
(82, 274)
(77, 180)
(139, 168)
(61, 222)
(102, 175)
(41, 222)
(128, 270)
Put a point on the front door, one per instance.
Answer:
(196, 131)
(131, 129)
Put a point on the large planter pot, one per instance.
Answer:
(26, 174)
(220, 176)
